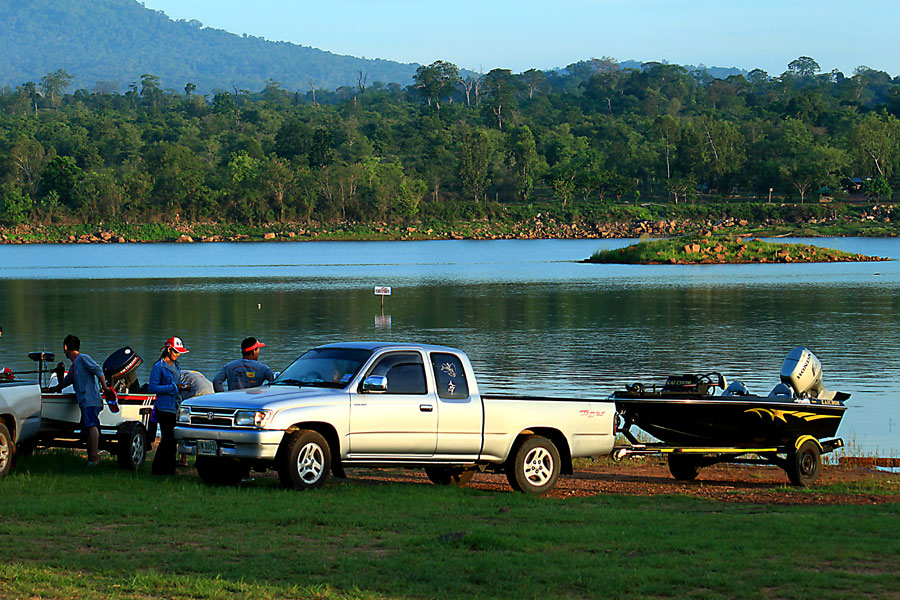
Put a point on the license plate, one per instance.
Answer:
(206, 447)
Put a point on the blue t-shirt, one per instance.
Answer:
(242, 373)
(84, 376)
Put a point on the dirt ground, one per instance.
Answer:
(728, 483)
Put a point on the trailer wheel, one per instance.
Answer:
(458, 476)
(221, 471)
(683, 468)
(132, 446)
(7, 451)
(535, 467)
(804, 464)
(306, 461)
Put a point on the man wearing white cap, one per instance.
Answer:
(165, 382)
(246, 372)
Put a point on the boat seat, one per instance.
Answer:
(736, 388)
(782, 389)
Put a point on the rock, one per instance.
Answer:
(184, 239)
(269, 236)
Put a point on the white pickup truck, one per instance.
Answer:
(20, 418)
(387, 404)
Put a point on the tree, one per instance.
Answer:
(474, 162)
(803, 66)
(523, 160)
(53, 85)
(499, 85)
(875, 143)
(436, 81)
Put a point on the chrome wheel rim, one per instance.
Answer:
(538, 466)
(5, 454)
(310, 463)
(137, 450)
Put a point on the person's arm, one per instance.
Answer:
(218, 380)
(91, 365)
(161, 381)
(269, 374)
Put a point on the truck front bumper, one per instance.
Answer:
(236, 443)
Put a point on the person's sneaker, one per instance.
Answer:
(93, 463)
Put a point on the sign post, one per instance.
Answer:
(382, 290)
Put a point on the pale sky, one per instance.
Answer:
(484, 34)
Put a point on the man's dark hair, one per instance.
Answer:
(72, 342)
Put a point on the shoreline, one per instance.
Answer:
(213, 232)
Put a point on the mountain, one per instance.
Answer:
(114, 42)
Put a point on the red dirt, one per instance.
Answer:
(725, 483)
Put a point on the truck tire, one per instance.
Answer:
(7, 451)
(458, 476)
(305, 462)
(221, 471)
(683, 468)
(804, 464)
(535, 466)
(132, 446)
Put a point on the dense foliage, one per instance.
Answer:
(108, 44)
(451, 146)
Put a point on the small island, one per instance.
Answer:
(708, 249)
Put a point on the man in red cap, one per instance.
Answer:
(246, 372)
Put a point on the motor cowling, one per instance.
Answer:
(802, 371)
(120, 369)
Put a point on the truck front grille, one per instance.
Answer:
(212, 417)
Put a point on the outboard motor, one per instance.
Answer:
(802, 371)
(120, 370)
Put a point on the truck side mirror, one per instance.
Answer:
(375, 384)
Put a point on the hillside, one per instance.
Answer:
(119, 40)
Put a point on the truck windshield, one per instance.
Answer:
(324, 367)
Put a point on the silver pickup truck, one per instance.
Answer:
(386, 404)
(20, 418)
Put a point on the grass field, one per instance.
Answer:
(66, 532)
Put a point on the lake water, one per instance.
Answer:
(532, 319)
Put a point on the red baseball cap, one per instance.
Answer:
(250, 344)
(176, 344)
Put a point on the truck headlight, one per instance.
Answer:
(184, 415)
(251, 418)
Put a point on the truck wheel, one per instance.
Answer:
(804, 464)
(458, 476)
(132, 446)
(535, 467)
(683, 468)
(305, 462)
(221, 471)
(7, 451)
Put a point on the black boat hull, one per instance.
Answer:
(695, 420)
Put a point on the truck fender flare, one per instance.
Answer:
(555, 436)
(326, 430)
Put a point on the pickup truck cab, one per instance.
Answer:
(20, 418)
(385, 404)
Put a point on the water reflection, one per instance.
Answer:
(531, 321)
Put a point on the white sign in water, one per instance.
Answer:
(382, 290)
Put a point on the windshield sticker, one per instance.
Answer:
(449, 369)
(346, 377)
(451, 387)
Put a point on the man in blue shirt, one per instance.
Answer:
(246, 372)
(83, 376)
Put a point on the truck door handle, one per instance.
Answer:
(426, 407)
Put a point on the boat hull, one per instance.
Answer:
(697, 420)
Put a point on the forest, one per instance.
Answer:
(451, 146)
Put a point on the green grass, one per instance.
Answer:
(721, 249)
(71, 533)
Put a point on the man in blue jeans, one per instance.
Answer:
(83, 376)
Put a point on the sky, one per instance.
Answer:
(485, 34)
